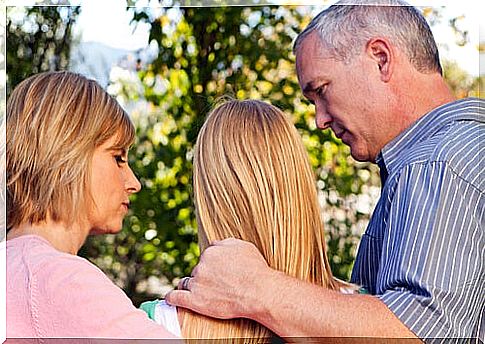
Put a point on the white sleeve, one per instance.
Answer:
(166, 315)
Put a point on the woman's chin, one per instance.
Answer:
(107, 230)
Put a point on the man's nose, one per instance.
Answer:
(322, 118)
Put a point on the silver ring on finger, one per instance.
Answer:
(185, 283)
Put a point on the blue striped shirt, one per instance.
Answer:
(423, 253)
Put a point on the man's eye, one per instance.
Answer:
(321, 90)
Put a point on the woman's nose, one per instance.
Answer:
(133, 185)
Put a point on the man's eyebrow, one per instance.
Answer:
(311, 85)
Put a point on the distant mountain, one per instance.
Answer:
(95, 60)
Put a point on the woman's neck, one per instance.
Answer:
(68, 239)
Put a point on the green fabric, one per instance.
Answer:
(362, 290)
(149, 308)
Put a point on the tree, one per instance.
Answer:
(38, 39)
(461, 83)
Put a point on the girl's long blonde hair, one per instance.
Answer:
(253, 181)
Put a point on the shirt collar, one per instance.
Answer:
(382, 168)
(425, 127)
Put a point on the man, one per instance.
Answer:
(374, 76)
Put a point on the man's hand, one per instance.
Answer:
(233, 280)
(227, 282)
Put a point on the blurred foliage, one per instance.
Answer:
(203, 54)
(461, 83)
(38, 40)
(200, 55)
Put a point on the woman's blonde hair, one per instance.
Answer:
(253, 181)
(55, 120)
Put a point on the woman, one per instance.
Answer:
(67, 177)
(253, 181)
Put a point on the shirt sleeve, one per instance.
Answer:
(433, 262)
(163, 314)
(73, 298)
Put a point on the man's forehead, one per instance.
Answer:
(312, 45)
(312, 65)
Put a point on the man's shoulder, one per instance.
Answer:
(462, 145)
(456, 146)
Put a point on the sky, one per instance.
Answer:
(114, 30)
(108, 22)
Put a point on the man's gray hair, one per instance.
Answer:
(345, 29)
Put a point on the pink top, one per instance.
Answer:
(54, 294)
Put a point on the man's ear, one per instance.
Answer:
(380, 50)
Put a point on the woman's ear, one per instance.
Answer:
(381, 51)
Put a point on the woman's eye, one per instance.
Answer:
(120, 159)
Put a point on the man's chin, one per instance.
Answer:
(360, 155)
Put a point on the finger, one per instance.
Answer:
(179, 298)
(184, 284)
